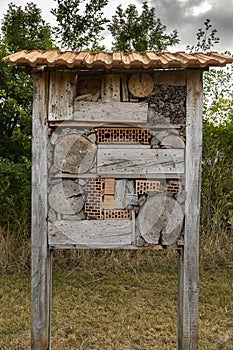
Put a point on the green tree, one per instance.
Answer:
(21, 29)
(132, 31)
(25, 29)
(217, 174)
(77, 29)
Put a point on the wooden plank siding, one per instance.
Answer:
(62, 89)
(140, 161)
(90, 233)
(111, 112)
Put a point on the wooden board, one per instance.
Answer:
(175, 78)
(112, 112)
(111, 90)
(62, 90)
(40, 255)
(188, 275)
(90, 233)
(139, 161)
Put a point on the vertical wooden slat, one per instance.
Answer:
(61, 95)
(40, 251)
(188, 327)
(111, 89)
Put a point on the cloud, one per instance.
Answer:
(189, 15)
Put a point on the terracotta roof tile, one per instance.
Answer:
(107, 60)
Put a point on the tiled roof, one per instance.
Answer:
(107, 60)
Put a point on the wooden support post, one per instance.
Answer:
(40, 251)
(188, 274)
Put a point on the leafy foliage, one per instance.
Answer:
(205, 38)
(25, 29)
(15, 191)
(77, 30)
(132, 31)
(21, 29)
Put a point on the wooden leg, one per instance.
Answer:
(187, 319)
(180, 299)
(40, 298)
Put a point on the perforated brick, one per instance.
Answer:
(123, 136)
(115, 214)
(146, 186)
(94, 199)
(173, 187)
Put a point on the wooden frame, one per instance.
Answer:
(66, 232)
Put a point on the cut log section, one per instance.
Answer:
(140, 85)
(74, 154)
(66, 197)
(160, 220)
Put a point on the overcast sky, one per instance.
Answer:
(185, 15)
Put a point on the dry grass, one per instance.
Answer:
(111, 300)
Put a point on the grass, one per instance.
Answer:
(115, 300)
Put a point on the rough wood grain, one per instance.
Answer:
(111, 88)
(40, 253)
(108, 201)
(124, 88)
(74, 153)
(62, 91)
(160, 220)
(139, 161)
(175, 78)
(90, 233)
(188, 327)
(140, 85)
(120, 188)
(112, 112)
(66, 197)
(172, 141)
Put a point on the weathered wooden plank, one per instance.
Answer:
(111, 88)
(123, 146)
(108, 201)
(139, 161)
(89, 124)
(120, 189)
(109, 186)
(175, 78)
(40, 255)
(90, 233)
(110, 112)
(61, 95)
(188, 327)
(119, 176)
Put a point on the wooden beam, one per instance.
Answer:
(109, 112)
(40, 251)
(188, 274)
(90, 233)
(139, 161)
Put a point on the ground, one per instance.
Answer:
(109, 303)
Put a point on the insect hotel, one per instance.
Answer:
(116, 163)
